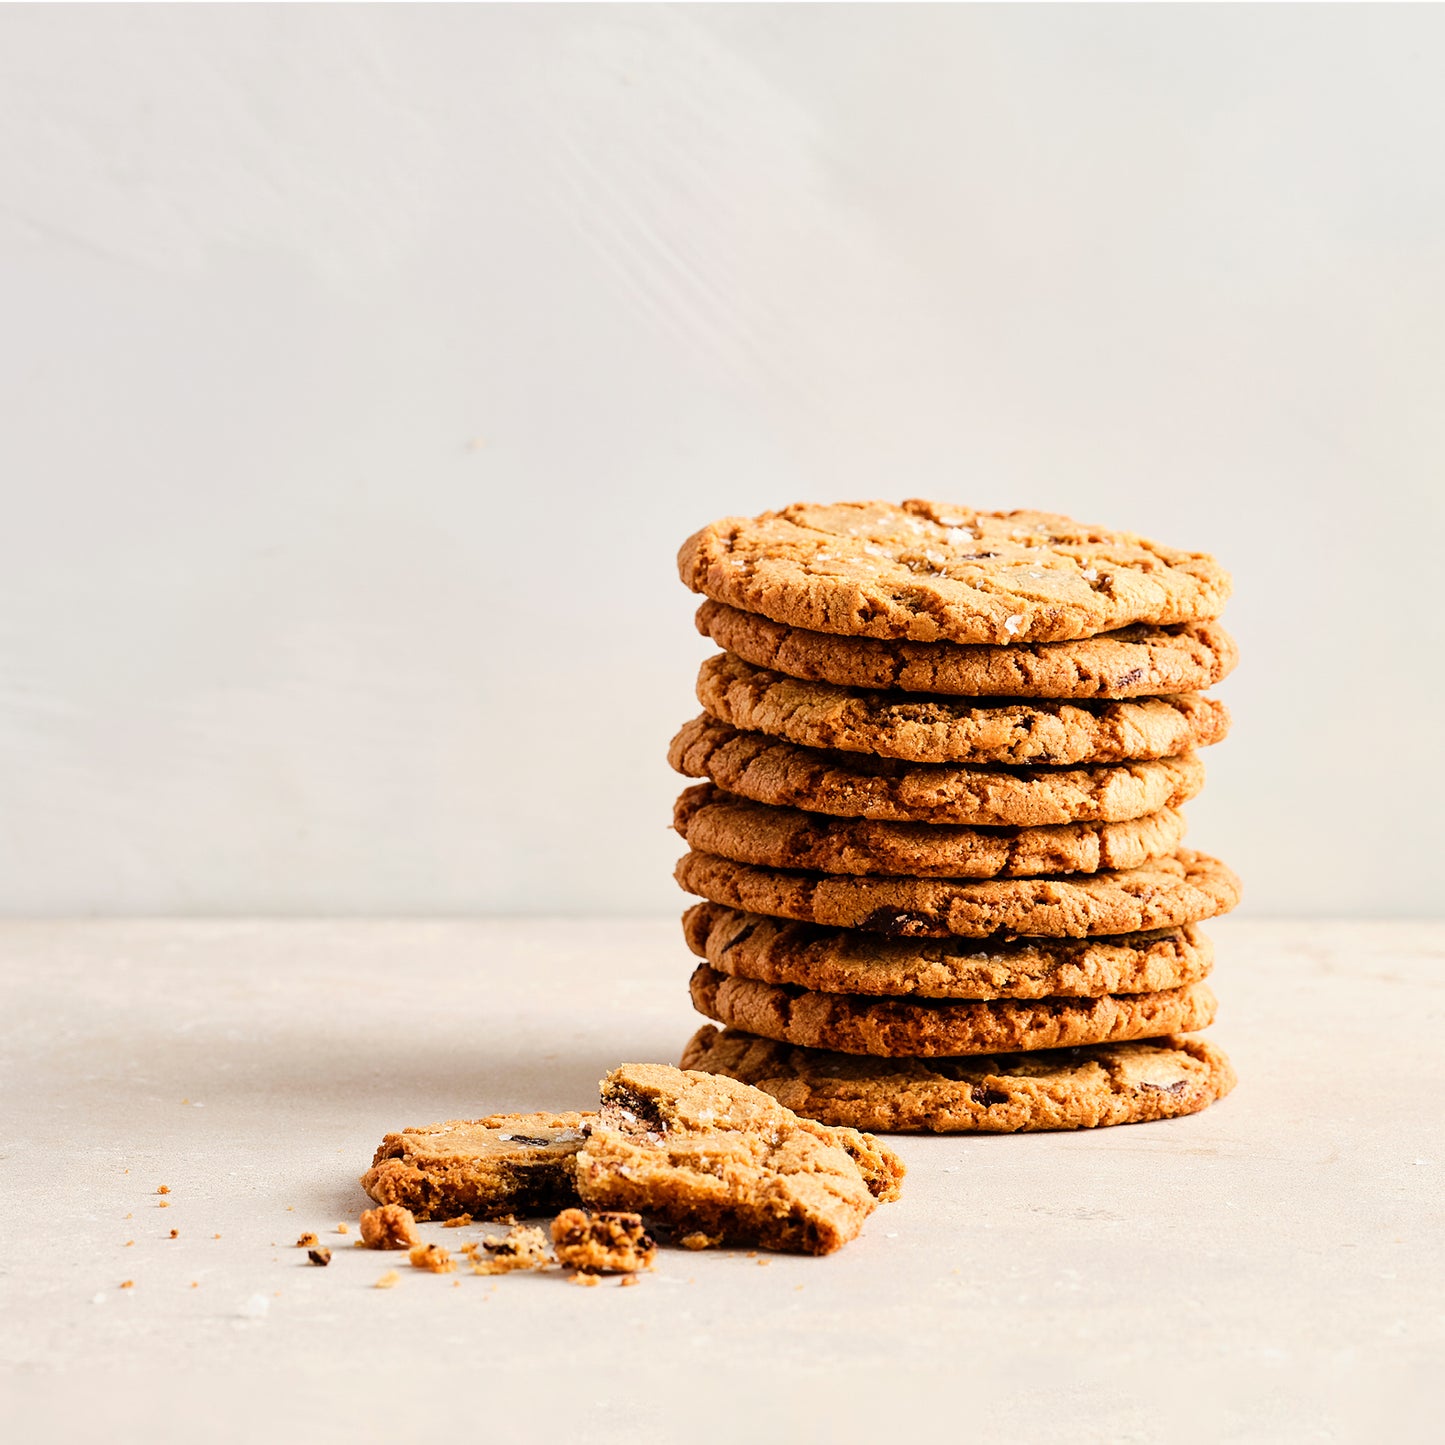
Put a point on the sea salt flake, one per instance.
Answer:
(1012, 624)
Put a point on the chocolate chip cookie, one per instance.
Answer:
(929, 572)
(850, 961)
(713, 821)
(1079, 1088)
(859, 785)
(716, 1161)
(1136, 661)
(1038, 732)
(1166, 893)
(489, 1168)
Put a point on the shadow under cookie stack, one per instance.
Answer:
(937, 836)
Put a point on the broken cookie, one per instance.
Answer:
(607, 1242)
(502, 1165)
(705, 1155)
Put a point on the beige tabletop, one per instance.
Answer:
(1273, 1269)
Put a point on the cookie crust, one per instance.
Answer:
(946, 730)
(850, 961)
(858, 785)
(925, 1028)
(713, 821)
(1083, 1088)
(1137, 661)
(1166, 893)
(928, 572)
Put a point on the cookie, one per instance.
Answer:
(489, 1168)
(929, 572)
(1084, 1088)
(716, 1161)
(944, 730)
(858, 785)
(1136, 661)
(713, 821)
(849, 960)
(1165, 893)
(926, 1028)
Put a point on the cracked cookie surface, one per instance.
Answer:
(858, 785)
(1138, 661)
(924, 1028)
(851, 961)
(927, 572)
(716, 1161)
(1083, 1088)
(1165, 893)
(500, 1165)
(713, 821)
(1040, 732)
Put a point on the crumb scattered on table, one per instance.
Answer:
(432, 1258)
(609, 1241)
(389, 1280)
(320, 1256)
(457, 1221)
(522, 1247)
(306, 1240)
(389, 1226)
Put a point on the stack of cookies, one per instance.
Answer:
(937, 836)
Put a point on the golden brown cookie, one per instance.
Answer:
(1083, 1088)
(489, 1168)
(1136, 661)
(1165, 893)
(926, 1028)
(1039, 732)
(850, 960)
(930, 572)
(858, 785)
(714, 1160)
(713, 821)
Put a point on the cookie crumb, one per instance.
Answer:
(320, 1256)
(127, 1284)
(699, 1240)
(389, 1280)
(175, 1234)
(306, 1240)
(591, 1280)
(163, 1204)
(391, 1226)
(343, 1229)
(522, 1247)
(432, 1258)
(129, 1243)
(164, 1189)
(458, 1221)
(215, 1236)
(610, 1241)
(195, 1284)
(628, 1279)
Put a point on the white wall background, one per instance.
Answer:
(362, 368)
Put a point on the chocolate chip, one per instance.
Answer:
(896, 923)
(533, 1139)
(741, 936)
(319, 1256)
(1177, 1087)
(987, 1097)
(1132, 676)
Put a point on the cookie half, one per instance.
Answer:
(500, 1165)
(713, 821)
(851, 961)
(1083, 1088)
(1038, 732)
(930, 572)
(1137, 661)
(858, 785)
(925, 1028)
(1167, 893)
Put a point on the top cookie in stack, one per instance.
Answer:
(933, 723)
